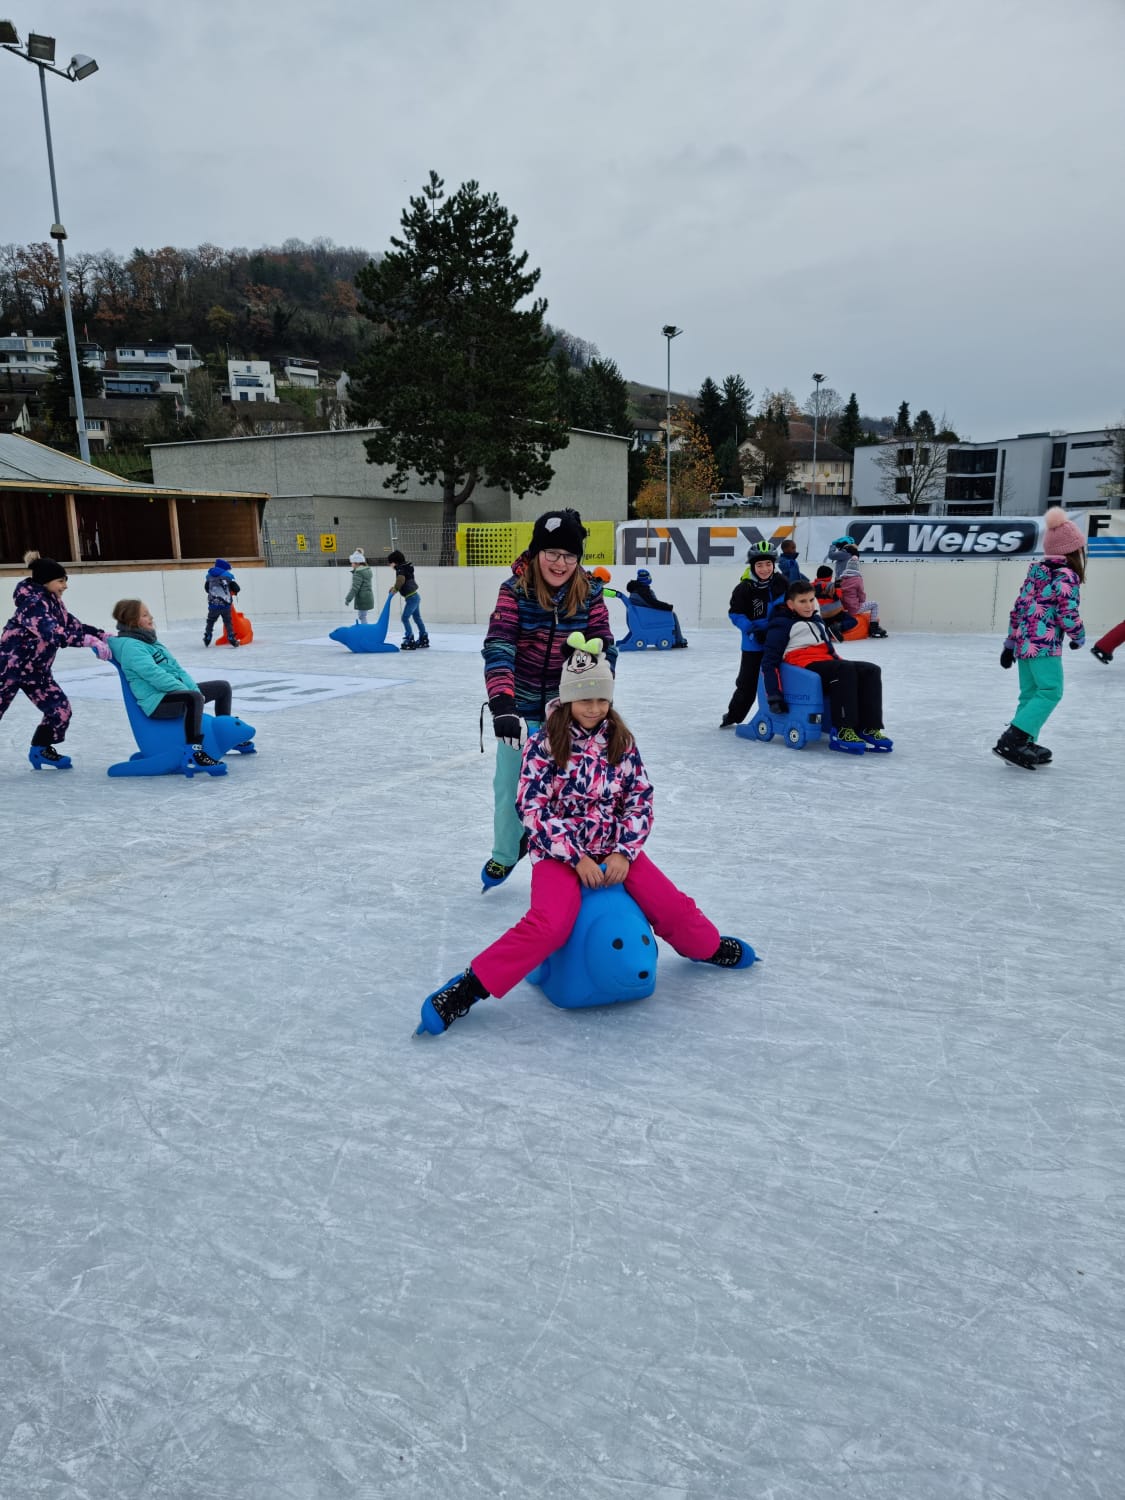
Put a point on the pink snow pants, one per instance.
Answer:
(556, 894)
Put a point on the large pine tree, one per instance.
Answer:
(459, 378)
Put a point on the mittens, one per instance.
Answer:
(1007, 657)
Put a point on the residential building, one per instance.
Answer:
(300, 372)
(158, 352)
(251, 380)
(115, 421)
(14, 414)
(831, 477)
(25, 354)
(150, 382)
(1020, 476)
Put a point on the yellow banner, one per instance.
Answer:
(480, 545)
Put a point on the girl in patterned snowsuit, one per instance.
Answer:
(586, 802)
(31, 639)
(1045, 611)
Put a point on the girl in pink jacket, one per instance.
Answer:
(31, 639)
(586, 802)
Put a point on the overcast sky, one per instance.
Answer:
(922, 201)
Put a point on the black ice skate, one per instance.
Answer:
(1017, 748)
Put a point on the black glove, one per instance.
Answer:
(1007, 657)
(1076, 645)
(507, 725)
(778, 705)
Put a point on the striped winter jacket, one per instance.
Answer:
(1045, 610)
(523, 648)
(590, 808)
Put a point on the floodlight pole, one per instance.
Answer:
(670, 331)
(58, 234)
(80, 67)
(815, 425)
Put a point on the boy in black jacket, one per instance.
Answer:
(406, 585)
(755, 596)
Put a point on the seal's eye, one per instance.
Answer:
(617, 943)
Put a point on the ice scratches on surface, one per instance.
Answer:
(846, 1225)
(254, 692)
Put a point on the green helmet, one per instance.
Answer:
(761, 552)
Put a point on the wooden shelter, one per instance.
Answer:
(82, 515)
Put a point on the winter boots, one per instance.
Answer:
(421, 644)
(47, 755)
(455, 999)
(1018, 748)
(732, 953)
(877, 631)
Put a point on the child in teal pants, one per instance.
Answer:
(1045, 611)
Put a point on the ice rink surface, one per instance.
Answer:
(849, 1224)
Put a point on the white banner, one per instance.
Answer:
(879, 538)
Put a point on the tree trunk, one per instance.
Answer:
(450, 500)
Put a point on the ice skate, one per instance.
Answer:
(875, 739)
(455, 999)
(47, 755)
(846, 741)
(1017, 748)
(732, 953)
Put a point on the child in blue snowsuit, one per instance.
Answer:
(220, 588)
(31, 639)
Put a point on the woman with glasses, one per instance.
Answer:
(548, 596)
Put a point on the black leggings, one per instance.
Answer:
(854, 690)
(746, 687)
(190, 705)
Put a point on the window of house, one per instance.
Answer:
(902, 484)
(1058, 455)
(244, 395)
(905, 457)
(1101, 443)
(1055, 485)
(1089, 474)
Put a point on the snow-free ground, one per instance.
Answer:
(848, 1224)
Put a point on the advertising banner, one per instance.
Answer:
(879, 538)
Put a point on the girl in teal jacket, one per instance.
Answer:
(162, 688)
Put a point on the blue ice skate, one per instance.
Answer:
(47, 755)
(732, 953)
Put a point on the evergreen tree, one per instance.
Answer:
(735, 412)
(902, 421)
(710, 413)
(924, 425)
(849, 429)
(459, 379)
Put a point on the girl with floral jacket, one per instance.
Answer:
(548, 596)
(586, 801)
(1044, 614)
(28, 647)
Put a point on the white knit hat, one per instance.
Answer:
(585, 672)
(357, 557)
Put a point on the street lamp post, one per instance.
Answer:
(670, 332)
(40, 51)
(815, 425)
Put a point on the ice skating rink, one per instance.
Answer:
(849, 1224)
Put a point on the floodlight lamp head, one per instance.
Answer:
(40, 48)
(670, 331)
(818, 378)
(81, 66)
(9, 36)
